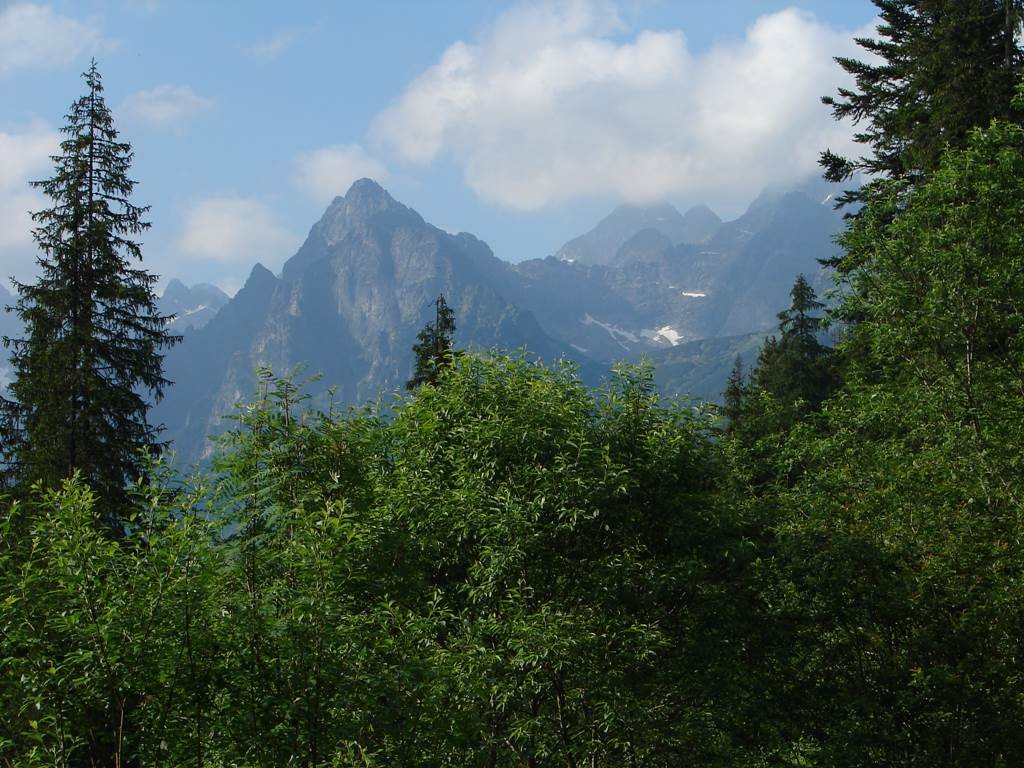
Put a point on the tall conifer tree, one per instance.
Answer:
(433, 349)
(734, 395)
(92, 333)
(939, 68)
(796, 366)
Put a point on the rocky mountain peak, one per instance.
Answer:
(365, 202)
(192, 307)
(259, 277)
(368, 196)
(646, 242)
(699, 224)
(176, 291)
(365, 209)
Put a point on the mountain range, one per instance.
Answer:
(689, 291)
(192, 307)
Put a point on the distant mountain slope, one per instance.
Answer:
(599, 245)
(654, 293)
(348, 305)
(700, 369)
(351, 300)
(192, 307)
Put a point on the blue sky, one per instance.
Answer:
(522, 122)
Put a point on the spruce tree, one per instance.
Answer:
(734, 395)
(433, 349)
(90, 354)
(796, 366)
(938, 69)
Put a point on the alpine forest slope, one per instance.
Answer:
(349, 303)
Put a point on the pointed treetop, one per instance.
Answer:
(798, 319)
(93, 78)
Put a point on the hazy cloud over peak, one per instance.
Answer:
(548, 106)
(325, 173)
(34, 35)
(236, 230)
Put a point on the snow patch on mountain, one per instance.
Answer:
(175, 321)
(614, 331)
(665, 333)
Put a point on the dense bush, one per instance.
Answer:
(509, 569)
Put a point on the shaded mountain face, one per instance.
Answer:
(348, 305)
(601, 244)
(192, 307)
(655, 292)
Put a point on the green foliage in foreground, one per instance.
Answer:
(899, 554)
(510, 570)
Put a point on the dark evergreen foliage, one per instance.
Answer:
(794, 369)
(93, 335)
(943, 67)
(797, 366)
(433, 349)
(734, 395)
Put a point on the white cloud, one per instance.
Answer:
(236, 230)
(35, 36)
(24, 157)
(547, 106)
(325, 173)
(26, 154)
(273, 47)
(165, 104)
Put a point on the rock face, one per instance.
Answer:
(656, 291)
(192, 307)
(350, 302)
(348, 305)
